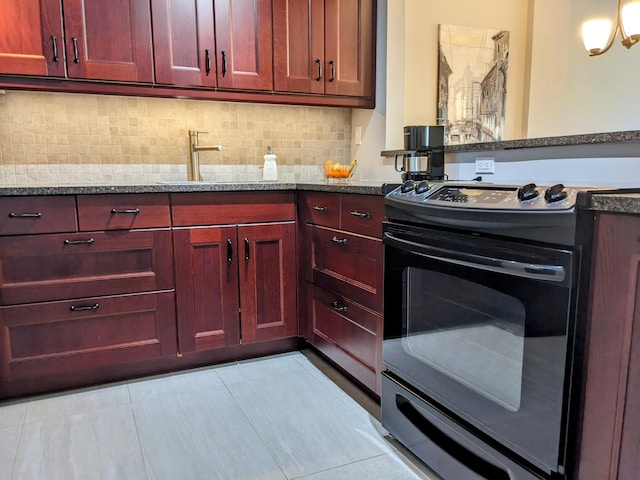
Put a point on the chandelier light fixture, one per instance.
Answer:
(598, 35)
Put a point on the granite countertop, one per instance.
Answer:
(584, 139)
(357, 187)
(615, 201)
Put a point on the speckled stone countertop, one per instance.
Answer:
(362, 188)
(585, 139)
(616, 201)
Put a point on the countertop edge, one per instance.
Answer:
(363, 188)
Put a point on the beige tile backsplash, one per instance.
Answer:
(65, 138)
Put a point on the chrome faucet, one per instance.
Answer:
(194, 148)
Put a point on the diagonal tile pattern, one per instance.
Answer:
(274, 418)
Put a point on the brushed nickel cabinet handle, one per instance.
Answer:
(336, 306)
(127, 210)
(80, 308)
(332, 64)
(319, 65)
(79, 242)
(341, 241)
(25, 215)
(321, 209)
(356, 213)
(207, 61)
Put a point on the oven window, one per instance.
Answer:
(467, 331)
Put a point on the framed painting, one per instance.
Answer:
(472, 83)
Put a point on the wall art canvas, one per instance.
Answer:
(472, 83)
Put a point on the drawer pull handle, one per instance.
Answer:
(73, 308)
(79, 242)
(341, 241)
(25, 215)
(130, 210)
(336, 306)
(321, 209)
(356, 213)
(229, 251)
(247, 250)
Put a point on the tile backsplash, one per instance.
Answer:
(66, 138)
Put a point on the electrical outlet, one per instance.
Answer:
(358, 135)
(485, 165)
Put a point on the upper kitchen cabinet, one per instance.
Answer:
(109, 40)
(324, 46)
(184, 42)
(244, 43)
(31, 41)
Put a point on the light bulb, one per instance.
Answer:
(596, 33)
(631, 18)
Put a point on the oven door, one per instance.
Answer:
(482, 328)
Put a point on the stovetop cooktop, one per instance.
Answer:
(486, 196)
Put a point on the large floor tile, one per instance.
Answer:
(201, 435)
(179, 383)
(248, 370)
(12, 414)
(9, 437)
(77, 402)
(100, 444)
(306, 429)
(383, 467)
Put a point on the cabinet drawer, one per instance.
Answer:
(348, 325)
(47, 214)
(236, 207)
(363, 214)
(320, 209)
(38, 268)
(347, 264)
(123, 211)
(46, 339)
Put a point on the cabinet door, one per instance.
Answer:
(184, 42)
(31, 41)
(206, 265)
(349, 47)
(244, 44)
(267, 281)
(109, 40)
(298, 46)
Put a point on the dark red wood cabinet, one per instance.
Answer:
(109, 40)
(244, 42)
(235, 283)
(610, 430)
(184, 42)
(324, 46)
(341, 280)
(94, 40)
(75, 305)
(32, 42)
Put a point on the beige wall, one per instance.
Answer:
(415, 89)
(572, 93)
(53, 138)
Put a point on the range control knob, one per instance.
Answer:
(407, 186)
(555, 193)
(527, 192)
(422, 187)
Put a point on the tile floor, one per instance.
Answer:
(281, 417)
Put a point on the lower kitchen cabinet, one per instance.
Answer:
(42, 341)
(341, 275)
(235, 284)
(610, 431)
(347, 333)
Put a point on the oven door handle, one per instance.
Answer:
(551, 273)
